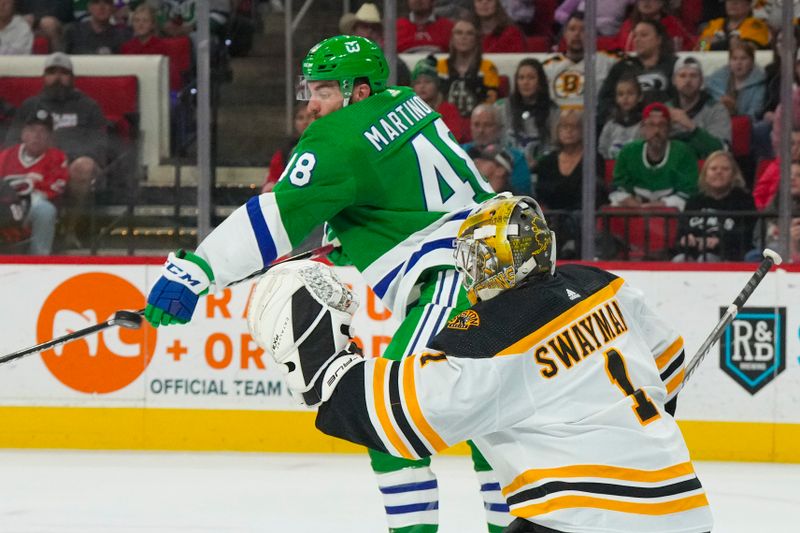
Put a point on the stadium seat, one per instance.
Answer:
(742, 130)
(542, 24)
(117, 96)
(649, 236)
(505, 87)
(41, 45)
(690, 14)
(537, 43)
(609, 175)
(762, 166)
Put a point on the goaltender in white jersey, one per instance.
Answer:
(563, 378)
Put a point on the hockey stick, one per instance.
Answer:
(770, 258)
(133, 319)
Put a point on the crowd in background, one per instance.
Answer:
(665, 126)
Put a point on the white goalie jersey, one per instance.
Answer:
(562, 385)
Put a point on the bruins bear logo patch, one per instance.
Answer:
(465, 320)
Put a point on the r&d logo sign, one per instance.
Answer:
(753, 347)
(107, 361)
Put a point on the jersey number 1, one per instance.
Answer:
(643, 406)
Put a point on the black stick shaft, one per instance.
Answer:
(58, 341)
(770, 258)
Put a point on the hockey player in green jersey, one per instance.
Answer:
(382, 169)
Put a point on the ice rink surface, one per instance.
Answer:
(152, 492)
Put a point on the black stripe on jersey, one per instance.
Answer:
(606, 489)
(345, 414)
(425, 359)
(676, 364)
(399, 415)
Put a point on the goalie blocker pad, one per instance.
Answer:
(293, 319)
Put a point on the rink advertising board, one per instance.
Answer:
(208, 386)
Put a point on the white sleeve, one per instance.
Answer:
(665, 344)
(252, 237)
(429, 402)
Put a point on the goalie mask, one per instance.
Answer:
(502, 241)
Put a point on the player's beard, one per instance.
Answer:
(57, 91)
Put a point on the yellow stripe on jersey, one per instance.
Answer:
(567, 317)
(675, 382)
(378, 381)
(665, 357)
(412, 403)
(572, 502)
(599, 471)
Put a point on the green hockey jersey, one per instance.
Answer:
(389, 178)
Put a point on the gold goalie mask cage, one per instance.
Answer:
(501, 242)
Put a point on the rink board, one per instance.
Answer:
(207, 386)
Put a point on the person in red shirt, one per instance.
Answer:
(39, 172)
(423, 31)
(500, 34)
(425, 82)
(146, 42)
(682, 39)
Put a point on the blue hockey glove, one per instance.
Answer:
(173, 298)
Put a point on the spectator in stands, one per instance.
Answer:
(560, 181)
(769, 228)
(500, 34)
(655, 172)
(302, 118)
(96, 34)
(520, 11)
(565, 71)
(529, 115)
(738, 23)
(697, 119)
(467, 78)
(762, 128)
(144, 41)
(423, 31)
(652, 65)
(79, 130)
(775, 132)
(37, 171)
(623, 126)
(656, 10)
(366, 22)
(495, 164)
(16, 37)
(767, 182)
(425, 82)
(486, 126)
(710, 237)
(739, 85)
(177, 18)
(610, 14)
(47, 18)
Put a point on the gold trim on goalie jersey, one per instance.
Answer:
(398, 419)
(671, 365)
(645, 492)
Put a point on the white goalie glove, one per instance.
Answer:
(300, 314)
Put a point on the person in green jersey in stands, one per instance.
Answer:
(382, 169)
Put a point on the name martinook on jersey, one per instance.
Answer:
(580, 339)
(396, 122)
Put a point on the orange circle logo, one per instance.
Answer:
(103, 362)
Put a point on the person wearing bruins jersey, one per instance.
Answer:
(565, 71)
(563, 377)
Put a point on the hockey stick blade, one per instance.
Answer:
(770, 258)
(133, 319)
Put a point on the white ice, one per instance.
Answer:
(154, 492)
